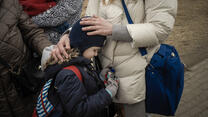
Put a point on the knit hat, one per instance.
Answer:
(79, 39)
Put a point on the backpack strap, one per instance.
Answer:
(44, 106)
(75, 70)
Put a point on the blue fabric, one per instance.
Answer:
(79, 39)
(164, 81)
(77, 99)
(127, 13)
(62, 28)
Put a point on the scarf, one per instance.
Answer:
(35, 7)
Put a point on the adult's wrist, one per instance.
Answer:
(120, 33)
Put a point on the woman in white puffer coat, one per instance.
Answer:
(153, 22)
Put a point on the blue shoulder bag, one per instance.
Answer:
(164, 78)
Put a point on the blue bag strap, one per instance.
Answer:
(127, 13)
(142, 50)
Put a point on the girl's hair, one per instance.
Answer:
(73, 53)
(109, 2)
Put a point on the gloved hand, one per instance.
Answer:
(112, 85)
(104, 75)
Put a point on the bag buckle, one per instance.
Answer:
(150, 66)
(172, 54)
(15, 70)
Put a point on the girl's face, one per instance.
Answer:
(91, 52)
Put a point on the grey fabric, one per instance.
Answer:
(135, 110)
(121, 33)
(46, 55)
(65, 11)
(112, 87)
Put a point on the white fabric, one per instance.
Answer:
(46, 55)
(153, 22)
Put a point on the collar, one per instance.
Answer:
(52, 70)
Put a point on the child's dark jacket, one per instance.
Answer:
(73, 98)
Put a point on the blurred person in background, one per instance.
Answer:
(18, 33)
(54, 16)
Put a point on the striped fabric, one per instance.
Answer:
(44, 107)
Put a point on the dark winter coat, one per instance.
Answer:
(16, 31)
(73, 98)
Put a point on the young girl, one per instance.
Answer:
(70, 96)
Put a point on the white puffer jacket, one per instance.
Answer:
(153, 21)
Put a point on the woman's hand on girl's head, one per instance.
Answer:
(96, 26)
(60, 48)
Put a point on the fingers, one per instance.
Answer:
(90, 28)
(97, 32)
(105, 71)
(63, 45)
(111, 81)
(64, 41)
(96, 26)
(62, 50)
(58, 55)
(91, 21)
(67, 45)
(54, 55)
(94, 18)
